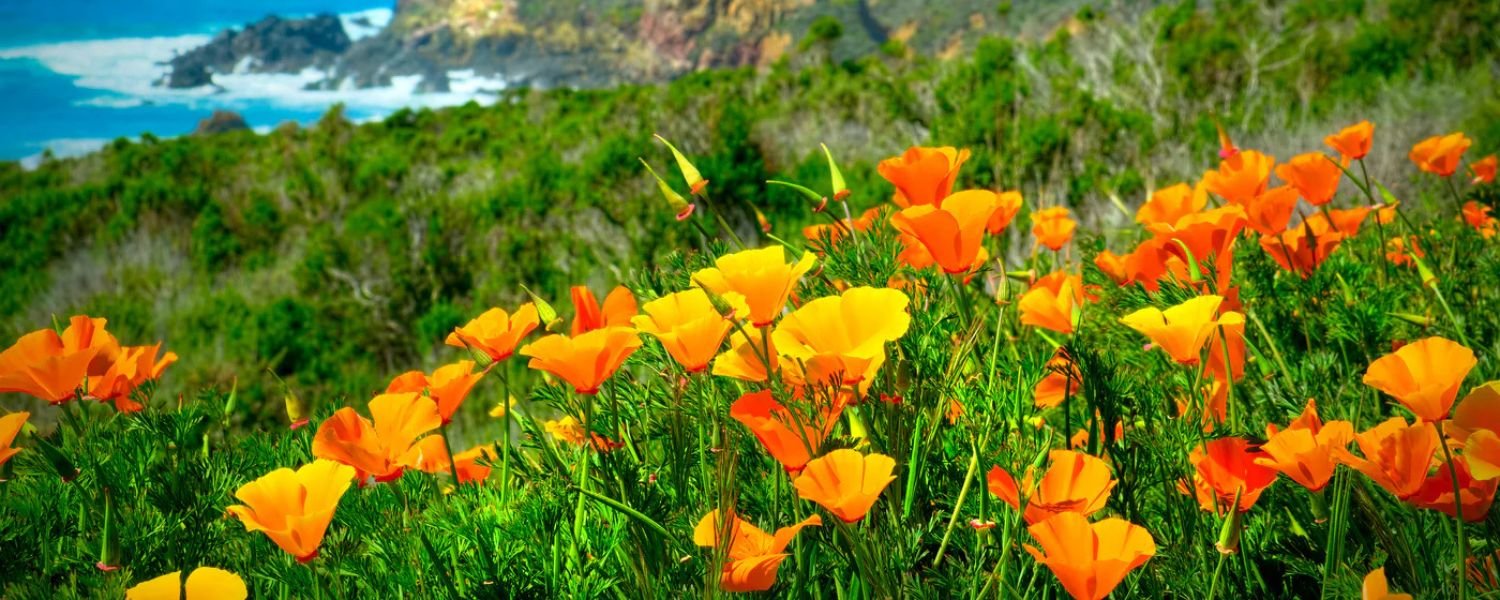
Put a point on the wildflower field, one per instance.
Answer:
(1279, 379)
(1275, 386)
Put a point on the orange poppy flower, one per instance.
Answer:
(469, 467)
(1207, 233)
(571, 430)
(1396, 457)
(1053, 227)
(52, 367)
(746, 358)
(1396, 251)
(1314, 175)
(1484, 169)
(1090, 560)
(204, 583)
(1304, 451)
(1074, 483)
(762, 276)
(753, 556)
(1226, 468)
(1052, 305)
(387, 443)
(1375, 587)
(1112, 266)
(847, 332)
(1240, 177)
(10, 426)
(1007, 205)
(923, 175)
(687, 325)
(1477, 215)
(585, 361)
(1423, 375)
(1475, 425)
(494, 332)
(619, 306)
(953, 232)
(1270, 212)
(293, 508)
(135, 365)
(845, 482)
(1440, 154)
(1148, 262)
(448, 386)
(1346, 220)
(1352, 142)
(1182, 330)
(1303, 249)
(836, 232)
(1062, 379)
(1169, 204)
(790, 438)
(1475, 495)
(1232, 333)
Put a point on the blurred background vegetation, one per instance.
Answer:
(339, 254)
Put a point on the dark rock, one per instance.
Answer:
(272, 45)
(190, 76)
(220, 122)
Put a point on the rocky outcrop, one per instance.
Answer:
(588, 43)
(220, 122)
(272, 45)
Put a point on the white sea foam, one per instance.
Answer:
(128, 68)
(64, 148)
(125, 71)
(376, 19)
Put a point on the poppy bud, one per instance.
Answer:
(545, 313)
(1319, 506)
(1418, 320)
(836, 177)
(1194, 273)
(1226, 146)
(1234, 523)
(1429, 279)
(690, 173)
(1028, 276)
(60, 463)
(231, 400)
(904, 375)
(819, 201)
(679, 205)
(760, 217)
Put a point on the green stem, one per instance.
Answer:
(629, 512)
(963, 493)
(1458, 509)
(1213, 587)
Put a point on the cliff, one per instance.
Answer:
(598, 43)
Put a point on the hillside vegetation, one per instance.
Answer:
(338, 254)
(1192, 303)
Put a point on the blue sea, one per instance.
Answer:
(75, 74)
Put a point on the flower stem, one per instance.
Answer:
(1213, 587)
(1458, 508)
(958, 506)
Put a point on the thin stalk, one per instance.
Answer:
(1458, 510)
(1213, 587)
(963, 493)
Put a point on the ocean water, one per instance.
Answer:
(75, 74)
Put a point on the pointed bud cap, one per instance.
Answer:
(836, 177)
(679, 205)
(690, 173)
